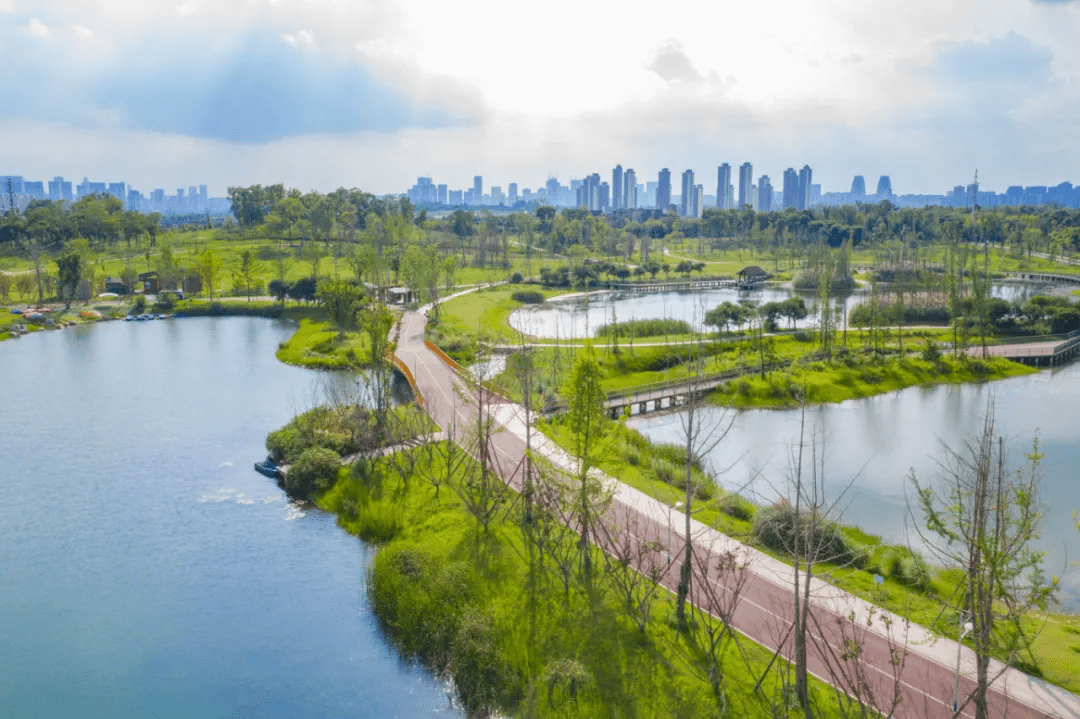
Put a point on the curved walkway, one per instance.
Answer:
(764, 613)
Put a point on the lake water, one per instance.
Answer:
(146, 570)
(873, 445)
(577, 318)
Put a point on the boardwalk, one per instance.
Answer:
(764, 613)
(1048, 353)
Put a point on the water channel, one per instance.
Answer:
(145, 568)
(873, 445)
(576, 317)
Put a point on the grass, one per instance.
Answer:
(316, 345)
(628, 455)
(480, 605)
(478, 316)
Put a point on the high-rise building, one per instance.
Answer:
(497, 197)
(552, 191)
(686, 205)
(791, 188)
(86, 187)
(630, 194)
(34, 190)
(456, 198)
(699, 201)
(478, 189)
(663, 190)
(764, 193)
(440, 194)
(11, 185)
(60, 190)
(603, 202)
(858, 189)
(723, 187)
(512, 194)
(617, 192)
(806, 180)
(746, 185)
(884, 187)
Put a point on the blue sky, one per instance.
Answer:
(371, 94)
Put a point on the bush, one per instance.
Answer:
(529, 297)
(140, 304)
(931, 352)
(516, 278)
(645, 328)
(314, 472)
(739, 507)
(776, 526)
(166, 302)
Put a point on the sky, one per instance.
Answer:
(320, 94)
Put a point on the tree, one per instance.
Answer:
(248, 269)
(70, 268)
(208, 267)
(585, 397)
(377, 322)
(342, 300)
(984, 518)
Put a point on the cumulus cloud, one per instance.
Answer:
(82, 31)
(672, 65)
(252, 88)
(37, 29)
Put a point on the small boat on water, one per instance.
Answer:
(268, 467)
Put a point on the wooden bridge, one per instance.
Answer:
(1048, 352)
(688, 285)
(1046, 277)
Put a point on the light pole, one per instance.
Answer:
(677, 506)
(959, 645)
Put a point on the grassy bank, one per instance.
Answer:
(478, 316)
(910, 588)
(487, 609)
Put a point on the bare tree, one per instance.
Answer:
(984, 519)
(700, 434)
(634, 562)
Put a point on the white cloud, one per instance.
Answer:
(7, 5)
(82, 31)
(302, 39)
(37, 28)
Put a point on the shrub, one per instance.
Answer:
(739, 507)
(931, 352)
(314, 472)
(529, 297)
(166, 302)
(804, 336)
(140, 304)
(516, 278)
(776, 526)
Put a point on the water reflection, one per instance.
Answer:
(873, 445)
(580, 316)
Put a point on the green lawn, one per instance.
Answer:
(485, 606)
(627, 455)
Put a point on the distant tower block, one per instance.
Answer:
(884, 187)
(858, 188)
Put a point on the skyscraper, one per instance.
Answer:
(806, 180)
(884, 187)
(617, 188)
(629, 198)
(791, 188)
(59, 189)
(552, 190)
(663, 190)
(764, 203)
(512, 194)
(723, 186)
(746, 184)
(478, 190)
(699, 200)
(686, 205)
(441, 194)
(858, 189)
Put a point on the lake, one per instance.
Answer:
(145, 568)
(873, 445)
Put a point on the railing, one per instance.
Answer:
(404, 368)
(488, 385)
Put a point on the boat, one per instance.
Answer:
(267, 467)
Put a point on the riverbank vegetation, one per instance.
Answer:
(522, 633)
(911, 587)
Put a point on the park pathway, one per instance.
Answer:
(765, 610)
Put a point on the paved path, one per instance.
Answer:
(764, 614)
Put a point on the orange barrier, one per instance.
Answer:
(409, 376)
(490, 386)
